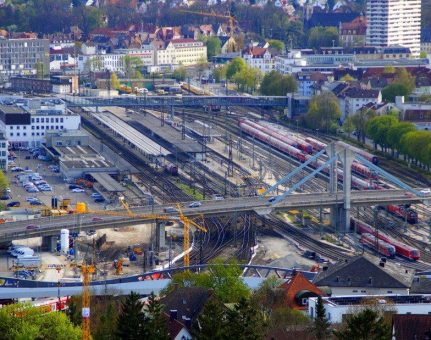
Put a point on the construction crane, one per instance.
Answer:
(231, 19)
(86, 270)
(186, 244)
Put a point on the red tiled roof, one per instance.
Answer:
(256, 51)
(174, 326)
(408, 327)
(294, 286)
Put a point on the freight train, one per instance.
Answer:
(401, 249)
(383, 248)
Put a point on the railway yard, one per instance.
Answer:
(213, 153)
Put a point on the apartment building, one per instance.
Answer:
(23, 56)
(4, 154)
(23, 126)
(394, 22)
(260, 58)
(180, 51)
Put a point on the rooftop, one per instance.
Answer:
(11, 109)
(360, 271)
(383, 299)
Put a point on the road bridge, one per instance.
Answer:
(178, 101)
(261, 205)
(253, 276)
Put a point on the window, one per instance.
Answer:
(363, 291)
(11, 134)
(32, 127)
(52, 120)
(24, 134)
(32, 133)
(17, 134)
(37, 120)
(52, 127)
(42, 120)
(37, 127)
(11, 127)
(389, 291)
(354, 290)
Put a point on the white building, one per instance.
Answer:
(260, 58)
(337, 308)
(394, 22)
(146, 54)
(101, 62)
(27, 125)
(180, 51)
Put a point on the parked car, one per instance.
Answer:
(170, 210)
(78, 190)
(13, 204)
(27, 157)
(218, 197)
(97, 219)
(74, 186)
(272, 199)
(36, 203)
(195, 205)
(99, 200)
(5, 197)
(95, 195)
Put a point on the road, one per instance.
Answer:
(150, 214)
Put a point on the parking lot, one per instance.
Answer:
(55, 184)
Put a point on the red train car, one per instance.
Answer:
(402, 212)
(381, 246)
(317, 145)
(368, 156)
(401, 249)
(276, 143)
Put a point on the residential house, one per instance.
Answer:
(260, 58)
(298, 290)
(309, 83)
(353, 33)
(176, 330)
(417, 113)
(185, 304)
(228, 44)
(61, 58)
(338, 308)
(412, 326)
(363, 276)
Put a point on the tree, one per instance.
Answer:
(276, 84)
(201, 66)
(359, 121)
(213, 47)
(377, 129)
(107, 326)
(87, 18)
(115, 83)
(93, 64)
(323, 37)
(131, 319)
(247, 79)
(212, 322)
(403, 77)
(364, 325)
(131, 64)
(180, 73)
(391, 91)
(396, 132)
(4, 183)
(245, 321)
(24, 321)
(423, 55)
(219, 73)
(236, 65)
(347, 78)
(277, 45)
(321, 323)
(155, 326)
(40, 70)
(224, 280)
(323, 112)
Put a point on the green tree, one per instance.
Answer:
(323, 37)
(40, 70)
(219, 73)
(247, 79)
(276, 84)
(131, 65)
(423, 55)
(360, 120)
(4, 183)
(391, 91)
(224, 280)
(321, 322)
(23, 321)
(377, 129)
(236, 65)
(389, 70)
(180, 73)
(403, 77)
(87, 18)
(131, 319)
(155, 326)
(277, 44)
(245, 321)
(212, 322)
(107, 327)
(396, 132)
(323, 112)
(213, 47)
(347, 78)
(365, 325)
(115, 83)
(201, 66)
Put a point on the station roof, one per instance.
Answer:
(76, 151)
(135, 137)
(169, 134)
(107, 182)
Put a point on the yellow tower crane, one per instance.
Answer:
(186, 244)
(87, 270)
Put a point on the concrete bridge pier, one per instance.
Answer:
(49, 243)
(160, 235)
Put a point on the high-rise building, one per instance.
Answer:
(394, 22)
